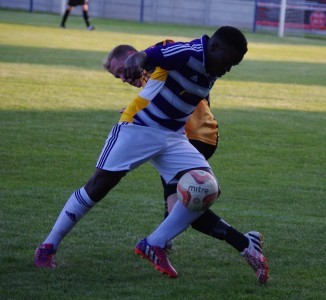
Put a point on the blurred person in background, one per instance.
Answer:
(71, 5)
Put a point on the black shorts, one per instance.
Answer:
(76, 2)
(206, 149)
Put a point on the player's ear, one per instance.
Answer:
(215, 45)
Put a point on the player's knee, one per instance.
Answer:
(101, 183)
(169, 190)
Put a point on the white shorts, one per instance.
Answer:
(128, 146)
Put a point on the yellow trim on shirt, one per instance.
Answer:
(133, 108)
(159, 74)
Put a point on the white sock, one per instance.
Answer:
(177, 221)
(76, 207)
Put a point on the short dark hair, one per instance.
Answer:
(233, 37)
(118, 52)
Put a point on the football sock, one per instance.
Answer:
(212, 225)
(76, 207)
(64, 18)
(236, 239)
(85, 15)
(177, 221)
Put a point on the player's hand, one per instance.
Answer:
(133, 67)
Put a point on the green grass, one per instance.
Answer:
(57, 106)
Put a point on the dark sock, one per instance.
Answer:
(85, 15)
(212, 225)
(64, 18)
(236, 239)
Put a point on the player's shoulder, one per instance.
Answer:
(163, 43)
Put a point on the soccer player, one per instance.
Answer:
(202, 132)
(184, 75)
(201, 128)
(71, 5)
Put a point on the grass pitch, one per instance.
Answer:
(57, 107)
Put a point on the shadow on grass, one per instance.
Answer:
(275, 141)
(274, 71)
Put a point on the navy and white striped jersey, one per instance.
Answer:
(175, 88)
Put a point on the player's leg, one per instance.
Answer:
(249, 245)
(76, 207)
(208, 223)
(82, 200)
(86, 16)
(153, 248)
(211, 224)
(113, 163)
(65, 16)
(178, 157)
(178, 219)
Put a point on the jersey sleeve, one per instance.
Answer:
(168, 57)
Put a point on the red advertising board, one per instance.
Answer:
(307, 15)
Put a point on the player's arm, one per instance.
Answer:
(168, 57)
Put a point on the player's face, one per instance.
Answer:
(116, 69)
(220, 58)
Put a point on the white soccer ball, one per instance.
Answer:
(197, 190)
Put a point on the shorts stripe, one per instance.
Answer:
(109, 145)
